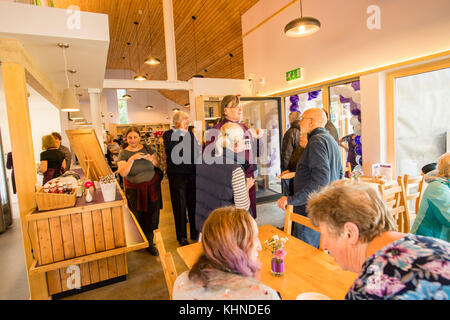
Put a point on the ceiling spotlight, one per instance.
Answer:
(175, 109)
(126, 96)
(187, 105)
(149, 107)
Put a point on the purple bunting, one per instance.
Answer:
(355, 111)
(313, 94)
(358, 140)
(356, 85)
(360, 161)
(344, 100)
(358, 150)
(294, 106)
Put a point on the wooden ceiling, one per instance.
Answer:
(217, 33)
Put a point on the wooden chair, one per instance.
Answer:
(170, 272)
(295, 217)
(393, 194)
(415, 182)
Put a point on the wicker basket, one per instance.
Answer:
(51, 201)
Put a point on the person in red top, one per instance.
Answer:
(231, 110)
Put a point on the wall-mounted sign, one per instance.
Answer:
(294, 74)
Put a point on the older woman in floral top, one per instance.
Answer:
(359, 232)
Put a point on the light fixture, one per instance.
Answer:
(231, 66)
(301, 27)
(126, 96)
(187, 105)
(139, 76)
(149, 107)
(69, 102)
(151, 60)
(196, 75)
(175, 109)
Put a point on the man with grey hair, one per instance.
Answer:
(182, 150)
(319, 165)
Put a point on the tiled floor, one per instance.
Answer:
(145, 279)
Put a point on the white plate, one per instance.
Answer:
(312, 296)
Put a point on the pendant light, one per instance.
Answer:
(148, 107)
(139, 76)
(68, 102)
(126, 96)
(151, 60)
(231, 66)
(196, 75)
(301, 27)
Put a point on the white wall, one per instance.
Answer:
(344, 45)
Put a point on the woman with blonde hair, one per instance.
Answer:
(229, 266)
(52, 160)
(359, 231)
(221, 180)
(433, 217)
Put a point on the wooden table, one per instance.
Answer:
(307, 269)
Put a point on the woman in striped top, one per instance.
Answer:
(223, 182)
(232, 139)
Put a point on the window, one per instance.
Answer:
(122, 106)
(301, 102)
(421, 119)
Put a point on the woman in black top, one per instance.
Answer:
(52, 160)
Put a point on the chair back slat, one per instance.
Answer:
(416, 182)
(167, 263)
(295, 217)
(394, 195)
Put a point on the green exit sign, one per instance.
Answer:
(294, 74)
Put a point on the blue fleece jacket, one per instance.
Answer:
(319, 165)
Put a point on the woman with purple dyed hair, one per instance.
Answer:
(229, 266)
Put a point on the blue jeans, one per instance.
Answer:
(303, 233)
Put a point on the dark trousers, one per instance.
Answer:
(287, 187)
(149, 220)
(182, 195)
(303, 233)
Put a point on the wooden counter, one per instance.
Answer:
(94, 236)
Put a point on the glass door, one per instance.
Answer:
(301, 102)
(265, 113)
(345, 115)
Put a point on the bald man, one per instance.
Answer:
(319, 165)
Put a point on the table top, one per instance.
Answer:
(307, 269)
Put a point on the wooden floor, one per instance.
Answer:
(145, 279)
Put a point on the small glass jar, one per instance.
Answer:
(277, 266)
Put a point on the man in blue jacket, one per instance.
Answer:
(319, 165)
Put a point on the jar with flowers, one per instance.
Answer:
(276, 245)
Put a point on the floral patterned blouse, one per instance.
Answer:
(411, 268)
(226, 286)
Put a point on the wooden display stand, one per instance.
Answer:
(93, 237)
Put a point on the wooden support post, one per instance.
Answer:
(15, 86)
